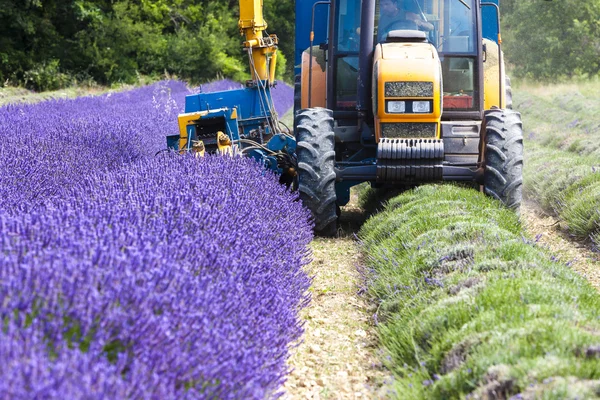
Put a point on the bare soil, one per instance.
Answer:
(337, 358)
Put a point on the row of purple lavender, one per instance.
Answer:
(129, 275)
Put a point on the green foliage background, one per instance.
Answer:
(48, 44)
(552, 40)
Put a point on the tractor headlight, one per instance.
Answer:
(395, 107)
(421, 107)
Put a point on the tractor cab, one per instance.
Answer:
(451, 27)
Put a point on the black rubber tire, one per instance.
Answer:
(509, 102)
(503, 176)
(315, 141)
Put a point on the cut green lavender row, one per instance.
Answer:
(469, 307)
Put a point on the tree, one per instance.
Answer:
(551, 40)
(44, 43)
(280, 15)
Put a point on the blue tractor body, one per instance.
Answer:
(489, 26)
(304, 9)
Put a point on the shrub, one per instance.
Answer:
(562, 168)
(46, 76)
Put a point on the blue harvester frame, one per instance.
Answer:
(245, 115)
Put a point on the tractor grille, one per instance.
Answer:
(407, 130)
(410, 149)
(409, 89)
(401, 161)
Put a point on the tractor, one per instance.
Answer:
(391, 92)
(399, 93)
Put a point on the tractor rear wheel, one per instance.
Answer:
(315, 149)
(503, 176)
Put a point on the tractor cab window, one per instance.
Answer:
(401, 14)
(346, 58)
(349, 26)
(451, 26)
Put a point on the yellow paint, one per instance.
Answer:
(262, 48)
(272, 64)
(491, 77)
(251, 15)
(224, 143)
(319, 79)
(198, 148)
(406, 62)
(184, 120)
(234, 114)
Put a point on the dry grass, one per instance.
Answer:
(587, 88)
(17, 95)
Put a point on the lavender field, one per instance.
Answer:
(124, 274)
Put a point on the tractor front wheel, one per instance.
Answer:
(503, 176)
(315, 149)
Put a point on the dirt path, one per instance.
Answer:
(546, 229)
(337, 358)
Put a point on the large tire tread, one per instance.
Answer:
(316, 160)
(503, 177)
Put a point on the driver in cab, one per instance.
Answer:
(400, 14)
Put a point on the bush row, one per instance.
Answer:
(129, 275)
(563, 117)
(470, 307)
(562, 168)
(568, 185)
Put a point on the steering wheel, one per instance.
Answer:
(401, 24)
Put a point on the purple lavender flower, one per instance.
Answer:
(129, 275)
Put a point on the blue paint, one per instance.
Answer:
(248, 102)
(489, 19)
(342, 191)
(281, 142)
(252, 122)
(303, 21)
(304, 15)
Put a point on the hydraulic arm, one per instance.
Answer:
(262, 50)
